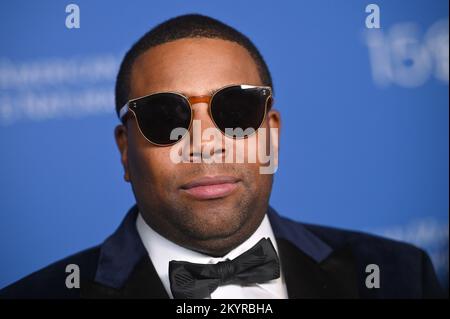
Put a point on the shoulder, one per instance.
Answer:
(49, 282)
(369, 245)
(405, 270)
(364, 244)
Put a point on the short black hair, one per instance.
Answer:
(181, 27)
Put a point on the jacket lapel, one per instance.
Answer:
(124, 268)
(334, 277)
(312, 269)
(143, 283)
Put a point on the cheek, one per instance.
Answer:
(259, 155)
(149, 165)
(253, 150)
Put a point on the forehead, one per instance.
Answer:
(192, 66)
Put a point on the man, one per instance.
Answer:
(202, 226)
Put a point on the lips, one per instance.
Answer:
(211, 187)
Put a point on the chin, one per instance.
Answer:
(215, 222)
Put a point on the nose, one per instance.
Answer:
(206, 139)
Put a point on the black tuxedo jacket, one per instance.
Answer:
(317, 262)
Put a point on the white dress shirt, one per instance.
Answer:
(162, 251)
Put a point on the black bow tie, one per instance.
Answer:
(257, 265)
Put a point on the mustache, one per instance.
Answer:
(198, 169)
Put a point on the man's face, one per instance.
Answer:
(209, 224)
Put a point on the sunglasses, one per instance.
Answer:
(232, 108)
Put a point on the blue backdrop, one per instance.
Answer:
(364, 142)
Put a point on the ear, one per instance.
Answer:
(274, 123)
(121, 136)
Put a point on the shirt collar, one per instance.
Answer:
(162, 251)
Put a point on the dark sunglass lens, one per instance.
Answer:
(240, 109)
(160, 113)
